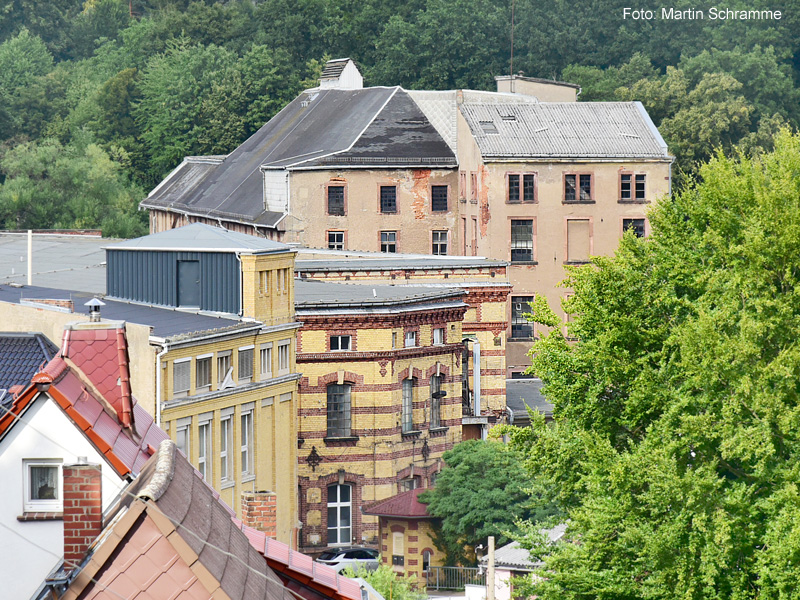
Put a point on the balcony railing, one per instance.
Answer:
(453, 578)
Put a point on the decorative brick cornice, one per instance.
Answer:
(432, 316)
(394, 354)
(492, 294)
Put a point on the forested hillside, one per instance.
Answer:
(100, 99)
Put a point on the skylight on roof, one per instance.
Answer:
(488, 127)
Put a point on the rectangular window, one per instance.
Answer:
(436, 397)
(266, 361)
(388, 199)
(204, 450)
(388, 241)
(640, 187)
(223, 366)
(225, 438)
(336, 200)
(283, 357)
(338, 410)
(521, 188)
(202, 379)
(439, 243)
(521, 328)
(336, 240)
(245, 364)
(462, 185)
(522, 240)
(439, 198)
(394, 339)
(181, 376)
(182, 435)
(43, 486)
(473, 186)
(578, 240)
(438, 336)
(340, 342)
(578, 187)
(625, 186)
(411, 339)
(635, 225)
(248, 467)
(407, 409)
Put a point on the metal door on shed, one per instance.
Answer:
(189, 283)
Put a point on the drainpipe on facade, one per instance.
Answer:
(476, 377)
(158, 384)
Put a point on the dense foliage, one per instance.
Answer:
(388, 583)
(677, 439)
(482, 492)
(149, 81)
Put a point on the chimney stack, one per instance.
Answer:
(83, 509)
(259, 512)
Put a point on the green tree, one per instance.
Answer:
(388, 583)
(677, 433)
(482, 492)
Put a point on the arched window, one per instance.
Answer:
(339, 410)
(340, 511)
(426, 560)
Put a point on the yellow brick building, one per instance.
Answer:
(380, 399)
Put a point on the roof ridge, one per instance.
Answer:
(163, 473)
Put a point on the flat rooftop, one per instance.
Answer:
(336, 296)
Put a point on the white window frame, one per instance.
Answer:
(244, 350)
(339, 339)
(223, 357)
(284, 363)
(342, 533)
(226, 446)
(30, 504)
(436, 404)
(180, 363)
(438, 336)
(202, 357)
(247, 456)
(265, 358)
(205, 451)
(407, 406)
(184, 427)
(410, 339)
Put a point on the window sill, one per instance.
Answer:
(411, 435)
(437, 431)
(524, 202)
(41, 516)
(340, 441)
(521, 339)
(623, 201)
(473, 201)
(577, 262)
(248, 477)
(227, 484)
(577, 202)
(524, 262)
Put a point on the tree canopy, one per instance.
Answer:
(677, 437)
(482, 492)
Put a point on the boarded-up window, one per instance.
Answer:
(578, 245)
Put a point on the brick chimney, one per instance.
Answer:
(83, 510)
(259, 510)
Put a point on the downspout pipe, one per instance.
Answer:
(476, 377)
(158, 383)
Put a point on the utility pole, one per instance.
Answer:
(490, 571)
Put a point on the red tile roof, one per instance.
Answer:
(404, 504)
(93, 401)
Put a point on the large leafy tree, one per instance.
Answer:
(677, 437)
(482, 492)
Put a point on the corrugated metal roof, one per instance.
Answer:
(571, 130)
(199, 237)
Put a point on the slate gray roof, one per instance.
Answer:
(199, 237)
(165, 322)
(522, 394)
(515, 557)
(571, 130)
(22, 355)
(376, 126)
(332, 296)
